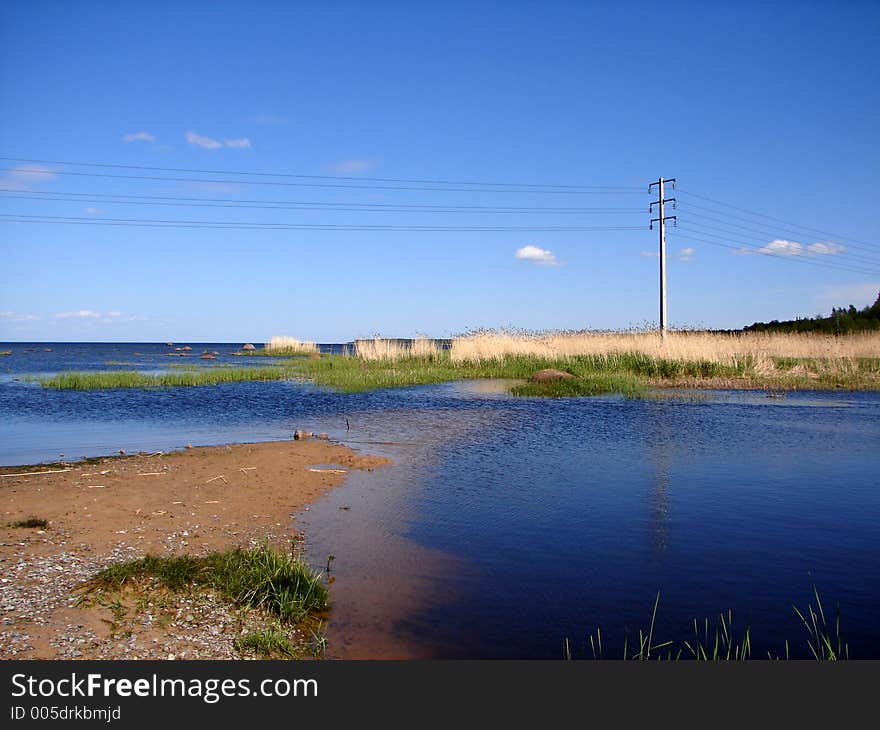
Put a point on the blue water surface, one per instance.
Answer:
(539, 520)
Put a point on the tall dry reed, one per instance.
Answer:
(290, 345)
(380, 348)
(758, 347)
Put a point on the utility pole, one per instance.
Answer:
(662, 221)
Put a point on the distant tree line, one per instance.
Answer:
(842, 320)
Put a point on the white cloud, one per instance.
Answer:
(205, 142)
(114, 313)
(686, 254)
(241, 142)
(79, 314)
(650, 254)
(783, 247)
(535, 255)
(25, 177)
(352, 167)
(825, 248)
(18, 317)
(209, 143)
(92, 211)
(138, 137)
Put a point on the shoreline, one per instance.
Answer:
(108, 509)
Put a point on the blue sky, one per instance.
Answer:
(771, 107)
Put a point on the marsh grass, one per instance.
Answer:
(825, 641)
(264, 579)
(630, 373)
(718, 641)
(105, 379)
(600, 362)
(597, 384)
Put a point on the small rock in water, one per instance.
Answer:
(122, 452)
(300, 435)
(189, 446)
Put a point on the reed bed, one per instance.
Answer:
(631, 374)
(392, 350)
(728, 349)
(289, 346)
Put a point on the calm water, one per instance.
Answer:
(508, 524)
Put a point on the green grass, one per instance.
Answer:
(268, 643)
(263, 578)
(718, 641)
(627, 373)
(103, 379)
(597, 384)
(31, 522)
(630, 374)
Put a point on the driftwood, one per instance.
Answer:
(32, 473)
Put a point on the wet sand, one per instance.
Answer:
(103, 510)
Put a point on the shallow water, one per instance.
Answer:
(506, 525)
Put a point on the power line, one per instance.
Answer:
(20, 218)
(707, 239)
(783, 257)
(105, 198)
(855, 257)
(802, 253)
(316, 177)
(315, 185)
(768, 228)
(770, 217)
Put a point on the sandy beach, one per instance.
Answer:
(106, 510)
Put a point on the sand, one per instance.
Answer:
(191, 501)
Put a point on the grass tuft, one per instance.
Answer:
(268, 643)
(261, 578)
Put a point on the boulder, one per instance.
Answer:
(543, 376)
(248, 347)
